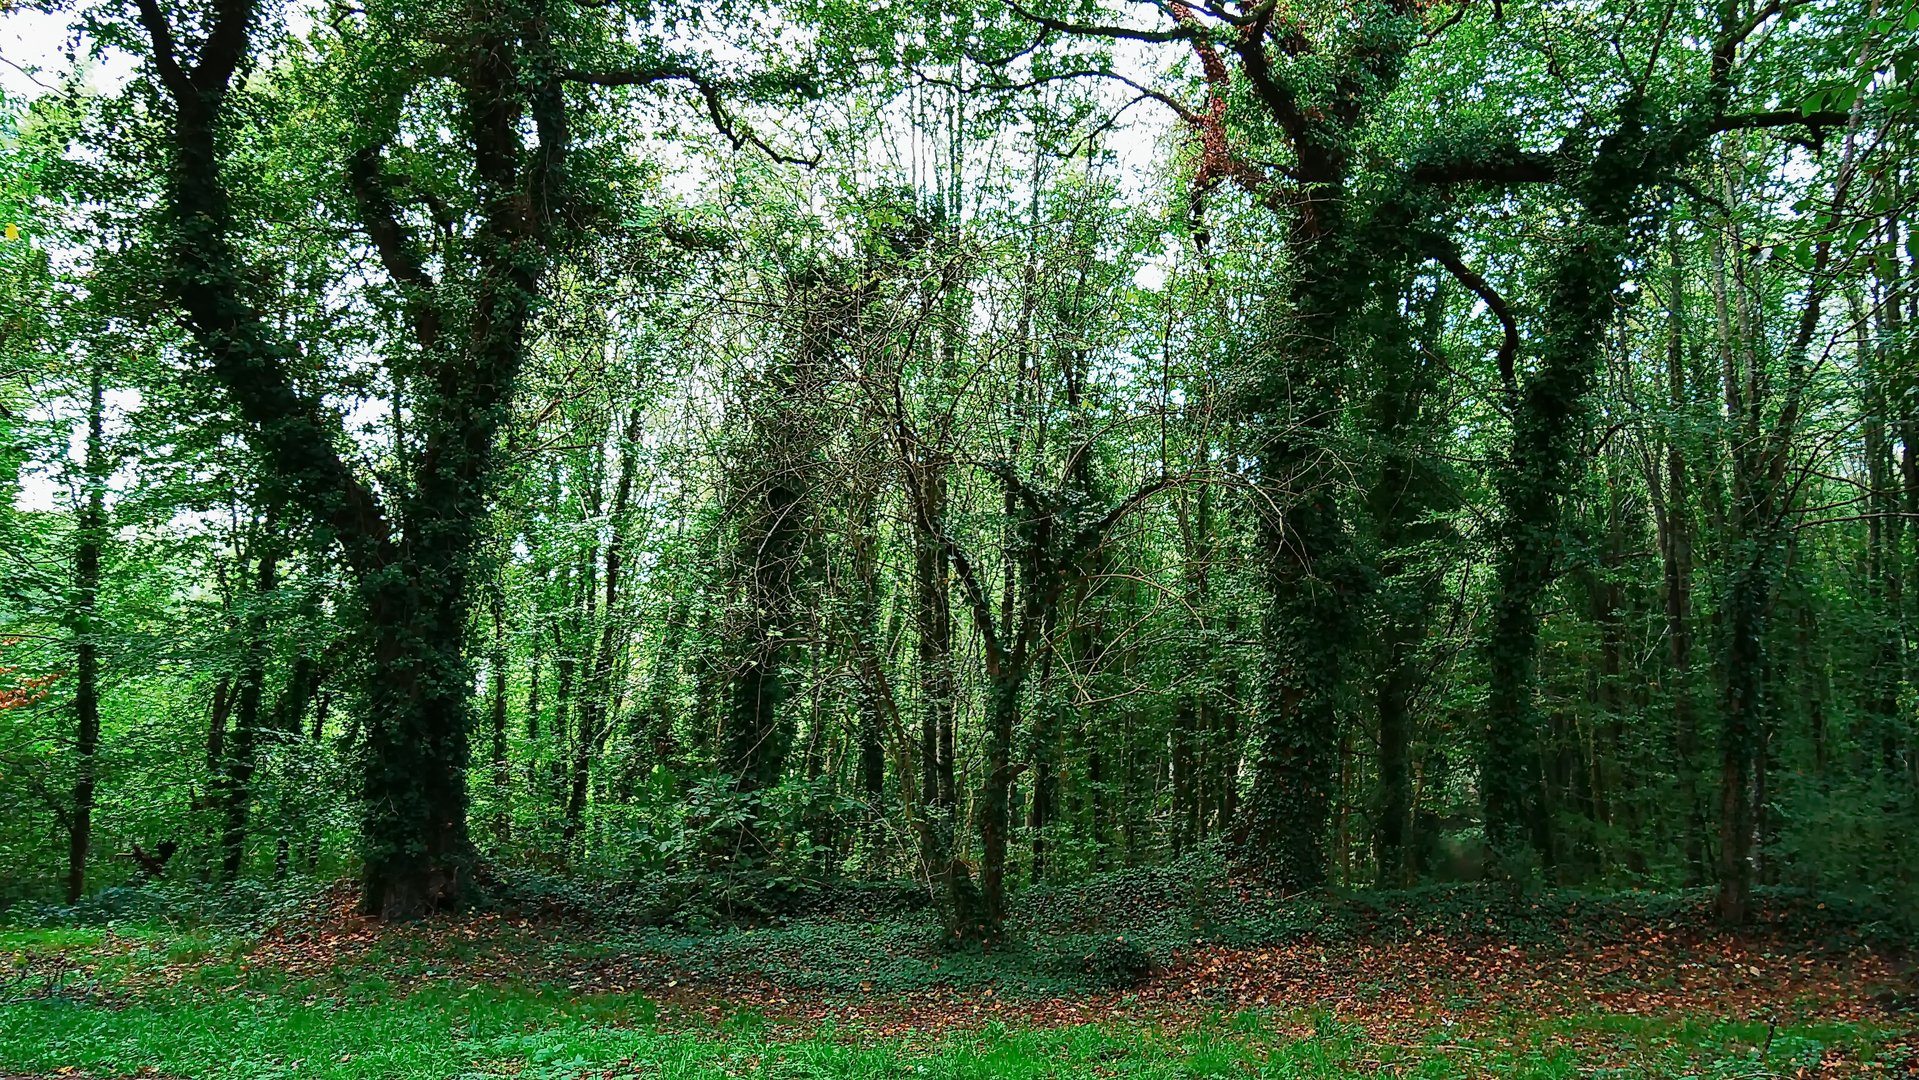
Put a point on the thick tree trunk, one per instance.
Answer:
(1044, 756)
(1761, 497)
(1309, 634)
(757, 735)
(773, 481)
(415, 828)
(953, 886)
(218, 714)
(412, 582)
(1315, 581)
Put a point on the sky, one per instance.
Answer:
(31, 40)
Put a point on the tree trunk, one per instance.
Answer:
(1404, 498)
(933, 623)
(863, 629)
(1541, 467)
(1673, 516)
(772, 481)
(84, 623)
(1394, 700)
(412, 581)
(1315, 582)
(1002, 717)
(236, 781)
(415, 827)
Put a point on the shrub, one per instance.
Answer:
(1116, 964)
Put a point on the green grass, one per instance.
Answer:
(260, 1030)
(152, 1000)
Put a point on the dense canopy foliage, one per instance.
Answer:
(976, 443)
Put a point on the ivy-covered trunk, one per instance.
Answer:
(412, 581)
(775, 476)
(1541, 466)
(415, 842)
(1316, 582)
(1002, 717)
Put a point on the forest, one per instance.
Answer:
(1069, 502)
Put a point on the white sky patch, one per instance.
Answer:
(33, 56)
(43, 484)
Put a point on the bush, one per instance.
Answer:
(1116, 964)
(523, 891)
(244, 904)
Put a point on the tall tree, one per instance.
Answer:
(412, 575)
(89, 537)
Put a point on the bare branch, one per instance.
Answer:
(1117, 33)
(1446, 255)
(1094, 534)
(710, 92)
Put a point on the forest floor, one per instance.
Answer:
(1443, 991)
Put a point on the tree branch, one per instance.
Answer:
(1446, 255)
(394, 243)
(1254, 17)
(1506, 164)
(1817, 121)
(1146, 93)
(225, 46)
(1094, 534)
(1117, 33)
(710, 92)
(1727, 47)
(206, 279)
(165, 59)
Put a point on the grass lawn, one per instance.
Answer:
(491, 1031)
(327, 995)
